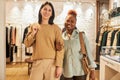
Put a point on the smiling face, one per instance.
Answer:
(70, 23)
(46, 12)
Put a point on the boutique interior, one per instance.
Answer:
(99, 19)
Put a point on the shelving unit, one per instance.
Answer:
(109, 69)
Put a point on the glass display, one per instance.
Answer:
(112, 52)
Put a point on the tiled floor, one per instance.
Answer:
(19, 71)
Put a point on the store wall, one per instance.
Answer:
(114, 3)
(2, 40)
(104, 10)
(25, 13)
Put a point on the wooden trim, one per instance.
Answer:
(97, 26)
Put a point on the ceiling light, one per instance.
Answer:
(25, 0)
(15, 0)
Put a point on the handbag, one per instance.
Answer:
(84, 60)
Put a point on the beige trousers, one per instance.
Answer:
(43, 70)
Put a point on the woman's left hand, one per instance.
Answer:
(58, 46)
(92, 75)
(58, 72)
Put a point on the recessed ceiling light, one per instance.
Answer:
(15, 0)
(25, 0)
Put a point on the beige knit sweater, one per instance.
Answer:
(44, 42)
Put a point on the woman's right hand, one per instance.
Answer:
(35, 29)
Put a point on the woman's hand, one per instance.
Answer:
(35, 29)
(58, 72)
(58, 46)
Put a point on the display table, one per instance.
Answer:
(109, 69)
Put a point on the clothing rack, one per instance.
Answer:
(12, 24)
(19, 47)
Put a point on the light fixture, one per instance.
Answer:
(80, 3)
(25, 0)
(115, 0)
(93, 4)
(31, 0)
(15, 0)
(36, 0)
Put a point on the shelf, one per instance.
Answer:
(109, 69)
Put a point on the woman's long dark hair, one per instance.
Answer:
(51, 18)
